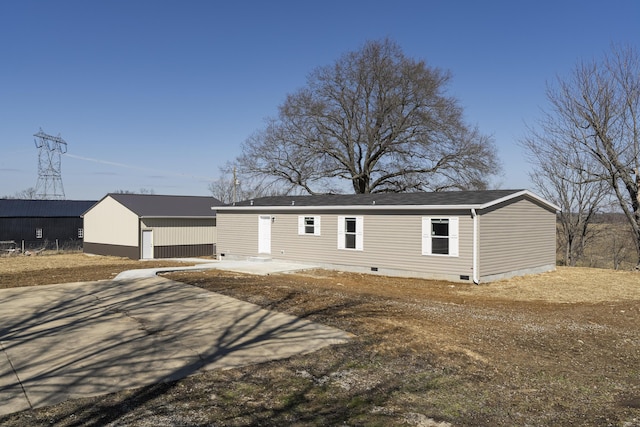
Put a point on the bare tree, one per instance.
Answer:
(559, 176)
(598, 109)
(375, 121)
(232, 187)
(618, 242)
(223, 190)
(140, 191)
(28, 193)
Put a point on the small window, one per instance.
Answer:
(38, 233)
(440, 236)
(80, 233)
(350, 233)
(309, 225)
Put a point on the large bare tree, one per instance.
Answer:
(374, 121)
(595, 112)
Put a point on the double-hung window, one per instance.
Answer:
(309, 225)
(440, 236)
(38, 233)
(350, 232)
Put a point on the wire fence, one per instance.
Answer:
(31, 247)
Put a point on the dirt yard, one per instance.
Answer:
(555, 349)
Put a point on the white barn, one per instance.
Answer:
(143, 226)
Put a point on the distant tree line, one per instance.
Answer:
(28, 193)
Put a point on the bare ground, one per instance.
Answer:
(555, 349)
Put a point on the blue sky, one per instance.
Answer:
(158, 94)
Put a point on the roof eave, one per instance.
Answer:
(517, 194)
(477, 206)
(178, 216)
(347, 207)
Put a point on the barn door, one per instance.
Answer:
(264, 234)
(147, 244)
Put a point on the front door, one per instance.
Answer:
(147, 244)
(264, 234)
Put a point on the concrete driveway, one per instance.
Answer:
(60, 342)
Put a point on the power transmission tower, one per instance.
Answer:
(50, 149)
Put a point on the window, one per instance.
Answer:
(38, 233)
(80, 233)
(350, 232)
(309, 225)
(440, 236)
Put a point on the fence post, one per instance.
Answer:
(57, 248)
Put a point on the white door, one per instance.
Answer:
(264, 234)
(147, 244)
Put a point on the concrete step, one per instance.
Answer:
(260, 258)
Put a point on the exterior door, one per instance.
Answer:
(264, 234)
(147, 244)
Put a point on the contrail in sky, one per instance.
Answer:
(123, 165)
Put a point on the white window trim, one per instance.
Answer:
(359, 233)
(38, 233)
(454, 239)
(302, 225)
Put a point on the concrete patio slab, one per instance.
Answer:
(60, 342)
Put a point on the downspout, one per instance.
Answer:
(474, 215)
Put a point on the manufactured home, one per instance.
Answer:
(148, 226)
(476, 236)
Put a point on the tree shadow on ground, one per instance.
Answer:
(48, 368)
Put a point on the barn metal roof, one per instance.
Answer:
(160, 206)
(433, 200)
(23, 208)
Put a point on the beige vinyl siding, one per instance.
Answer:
(179, 231)
(391, 240)
(122, 228)
(237, 234)
(518, 236)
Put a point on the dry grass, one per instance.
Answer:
(49, 260)
(52, 267)
(566, 285)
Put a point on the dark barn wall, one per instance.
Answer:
(65, 230)
(132, 252)
(180, 251)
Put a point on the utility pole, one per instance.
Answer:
(235, 183)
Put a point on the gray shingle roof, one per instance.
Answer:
(444, 198)
(153, 205)
(23, 208)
